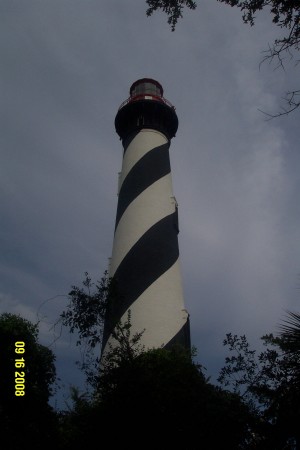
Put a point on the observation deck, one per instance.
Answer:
(146, 108)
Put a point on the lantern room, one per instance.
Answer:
(146, 88)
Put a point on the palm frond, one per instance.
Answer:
(290, 328)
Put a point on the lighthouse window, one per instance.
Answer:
(176, 222)
(140, 121)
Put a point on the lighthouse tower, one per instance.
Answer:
(145, 256)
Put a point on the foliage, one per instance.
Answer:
(159, 390)
(159, 393)
(163, 396)
(290, 332)
(28, 419)
(86, 310)
(85, 316)
(79, 424)
(285, 14)
(39, 360)
(173, 9)
(124, 346)
(269, 383)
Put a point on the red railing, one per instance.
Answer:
(142, 97)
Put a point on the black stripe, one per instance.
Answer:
(152, 255)
(129, 139)
(182, 338)
(150, 168)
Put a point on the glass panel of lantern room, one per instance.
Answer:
(146, 88)
(152, 89)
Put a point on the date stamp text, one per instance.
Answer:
(20, 364)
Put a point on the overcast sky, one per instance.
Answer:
(66, 66)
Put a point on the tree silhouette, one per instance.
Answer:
(284, 13)
(27, 367)
(269, 383)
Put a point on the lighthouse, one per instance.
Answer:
(145, 257)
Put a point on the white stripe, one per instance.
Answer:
(142, 143)
(159, 310)
(152, 205)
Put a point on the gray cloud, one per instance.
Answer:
(65, 69)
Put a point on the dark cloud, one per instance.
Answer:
(65, 69)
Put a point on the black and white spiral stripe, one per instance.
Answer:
(145, 258)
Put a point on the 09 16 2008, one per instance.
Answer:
(20, 364)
